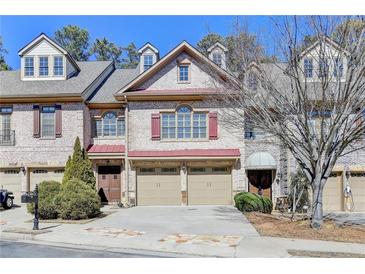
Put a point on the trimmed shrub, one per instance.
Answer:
(47, 191)
(77, 200)
(248, 202)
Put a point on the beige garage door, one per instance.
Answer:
(209, 186)
(332, 193)
(357, 183)
(158, 186)
(39, 175)
(10, 179)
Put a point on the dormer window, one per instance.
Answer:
(183, 73)
(147, 61)
(43, 66)
(322, 67)
(58, 66)
(308, 68)
(28, 66)
(252, 81)
(338, 68)
(217, 58)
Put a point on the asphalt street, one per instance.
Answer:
(26, 250)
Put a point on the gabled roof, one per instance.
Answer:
(11, 85)
(328, 41)
(43, 37)
(148, 45)
(182, 47)
(217, 44)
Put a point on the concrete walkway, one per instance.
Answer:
(214, 231)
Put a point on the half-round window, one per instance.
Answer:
(184, 124)
(109, 125)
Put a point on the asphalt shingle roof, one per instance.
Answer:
(118, 79)
(12, 86)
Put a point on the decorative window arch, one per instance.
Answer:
(109, 125)
(184, 123)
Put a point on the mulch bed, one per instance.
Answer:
(282, 226)
(320, 254)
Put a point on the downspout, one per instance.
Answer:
(126, 162)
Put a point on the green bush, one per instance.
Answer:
(77, 200)
(248, 202)
(47, 191)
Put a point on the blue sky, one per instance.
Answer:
(164, 32)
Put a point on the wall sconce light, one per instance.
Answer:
(347, 173)
(23, 169)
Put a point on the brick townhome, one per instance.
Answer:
(153, 136)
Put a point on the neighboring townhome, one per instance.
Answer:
(153, 133)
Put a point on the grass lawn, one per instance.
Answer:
(282, 226)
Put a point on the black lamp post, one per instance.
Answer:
(36, 214)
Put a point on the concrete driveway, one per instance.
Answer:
(197, 220)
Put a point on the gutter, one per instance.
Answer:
(126, 140)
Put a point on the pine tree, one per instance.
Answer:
(79, 166)
(67, 174)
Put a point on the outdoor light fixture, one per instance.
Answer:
(22, 169)
(347, 173)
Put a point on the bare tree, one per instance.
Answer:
(312, 102)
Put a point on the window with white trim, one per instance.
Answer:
(184, 73)
(28, 66)
(217, 58)
(252, 81)
(338, 68)
(43, 66)
(58, 65)
(109, 125)
(147, 61)
(48, 121)
(308, 68)
(184, 124)
(322, 67)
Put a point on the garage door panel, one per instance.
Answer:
(11, 180)
(159, 188)
(209, 188)
(332, 194)
(357, 182)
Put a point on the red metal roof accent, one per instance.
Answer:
(186, 153)
(106, 149)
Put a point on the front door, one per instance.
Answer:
(260, 181)
(109, 183)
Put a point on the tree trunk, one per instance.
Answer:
(317, 211)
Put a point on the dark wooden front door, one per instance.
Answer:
(109, 183)
(260, 179)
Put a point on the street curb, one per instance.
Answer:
(134, 251)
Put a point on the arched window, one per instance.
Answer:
(109, 125)
(184, 124)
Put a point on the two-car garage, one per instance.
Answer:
(165, 186)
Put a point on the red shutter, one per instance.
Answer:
(155, 126)
(36, 119)
(58, 121)
(213, 126)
